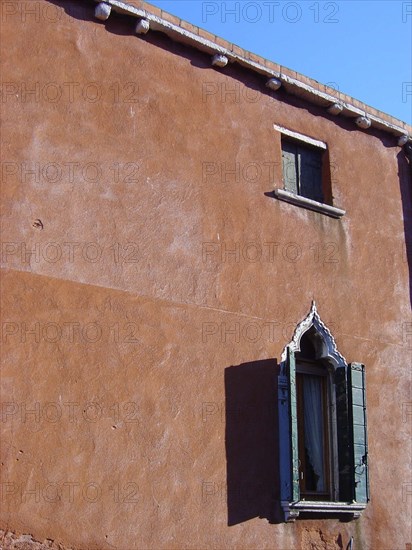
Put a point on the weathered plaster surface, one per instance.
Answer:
(14, 541)
(142, 331)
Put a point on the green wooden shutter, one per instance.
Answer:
(294, 448)
(358, 426)
(290, 166)
(343, 436)
(310, 173)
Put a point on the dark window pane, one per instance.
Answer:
(310, 174)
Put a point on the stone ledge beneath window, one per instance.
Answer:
(293, 509)
(298, 200)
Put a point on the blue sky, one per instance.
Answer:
(362, 48)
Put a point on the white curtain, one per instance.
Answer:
(312, 399)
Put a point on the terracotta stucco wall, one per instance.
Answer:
(131, 173)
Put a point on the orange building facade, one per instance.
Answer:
(186, 226)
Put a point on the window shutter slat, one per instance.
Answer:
(290, 168)
(343, 436)
(358, 426)
(294, 457)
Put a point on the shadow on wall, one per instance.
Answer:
(252, 435)
(405, 182)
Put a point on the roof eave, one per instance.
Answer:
(290, 84)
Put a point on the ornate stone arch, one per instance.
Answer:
(325, 343)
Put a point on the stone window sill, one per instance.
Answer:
(298, 200)
(293, 509)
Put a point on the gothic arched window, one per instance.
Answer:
(322, 425)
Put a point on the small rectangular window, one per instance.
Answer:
(306, 173)
(302, 169)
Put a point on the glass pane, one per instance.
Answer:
(313, 420)
(310, 174)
